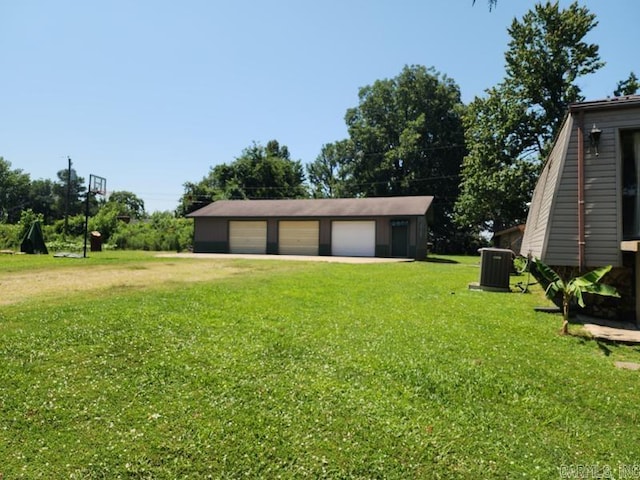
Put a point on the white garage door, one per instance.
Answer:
(247, 236)
(298, 237)
(355, 238)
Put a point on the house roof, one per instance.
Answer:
(614, 102)
(510, 230)
(324, 207)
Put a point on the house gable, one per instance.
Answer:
(552, 232)
(541, 211)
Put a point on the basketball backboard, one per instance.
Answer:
(97, 185)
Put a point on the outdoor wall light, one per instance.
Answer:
(594, 138)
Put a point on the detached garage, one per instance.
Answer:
(367, 227)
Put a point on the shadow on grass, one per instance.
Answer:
(603, 344)
(440, 260)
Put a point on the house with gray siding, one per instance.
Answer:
(585, 210)
(375, 227)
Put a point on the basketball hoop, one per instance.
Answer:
(97, 186)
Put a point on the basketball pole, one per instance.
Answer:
(99, 184)
(86, 219)
(66, 203)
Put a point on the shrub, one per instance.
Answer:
(9, 236)
(75, 226)
(65, 245)
(162, 232)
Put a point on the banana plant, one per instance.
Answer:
(574, 288)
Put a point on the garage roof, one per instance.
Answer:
(325, 207)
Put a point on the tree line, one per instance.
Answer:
(412, 135)
(408, 135)
(61, 207)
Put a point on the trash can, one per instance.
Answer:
(96, 242)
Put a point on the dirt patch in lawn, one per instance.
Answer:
(55, 283)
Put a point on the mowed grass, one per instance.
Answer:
(308, 370)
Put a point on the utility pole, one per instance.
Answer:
(66, 203)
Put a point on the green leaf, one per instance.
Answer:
(578, 294)
(552, 289)
(602, 289)
(548, 273)
(593, 276)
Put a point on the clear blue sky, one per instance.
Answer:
(152, 93)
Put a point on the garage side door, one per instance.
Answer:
(355, 238)
(298, 237)
(247, 236)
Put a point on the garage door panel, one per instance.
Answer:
(247, 236)
(354, 238)
(298, 237)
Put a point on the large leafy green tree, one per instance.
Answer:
(69, 185)
(196, 195)
(546, 55)
(14, 192)
(330, 174)
(41, 199)
(129, 204)
(260, 172)
(120, 206)
(511, 130)
(501, 169)
(408, 139)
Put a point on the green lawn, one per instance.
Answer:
(306, 370)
